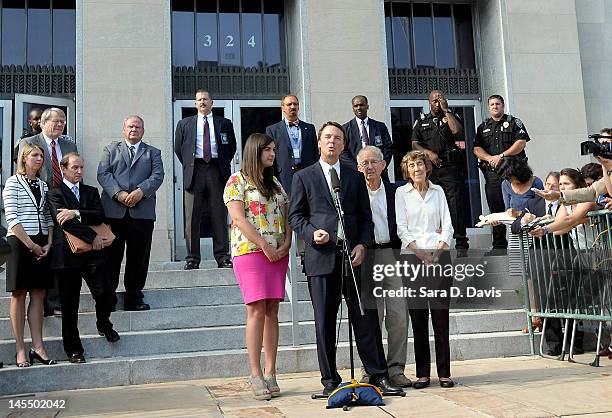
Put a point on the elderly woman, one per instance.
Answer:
(261, 239)
(424, 226)
(30, 230)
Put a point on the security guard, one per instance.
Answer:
(435, 134)
(497, 139)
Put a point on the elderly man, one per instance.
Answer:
(371, 163)
(130, 172)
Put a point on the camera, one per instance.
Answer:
(596, 148)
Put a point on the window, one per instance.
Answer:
(429, 35)
(239, 33)
(39, 32)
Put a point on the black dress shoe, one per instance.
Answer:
(76, 358)
(225, 264)
(191, 265)
(420, 384)
(110, 334)
(329, 388)
(138, 306)
(385, 385)
(447, 383)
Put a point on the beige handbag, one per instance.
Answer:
(78, 246)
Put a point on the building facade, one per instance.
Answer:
(106, 60)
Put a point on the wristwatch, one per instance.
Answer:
(502, 155)
(77, 214)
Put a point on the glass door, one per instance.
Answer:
(6, 145)
(247, 116)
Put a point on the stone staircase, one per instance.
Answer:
(195, 329)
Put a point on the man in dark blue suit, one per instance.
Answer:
(205, 145)
(313, 216)
(362, 131)
(296, 142)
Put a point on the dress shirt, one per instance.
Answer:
(295, 139)
(136, 145)
(378, 204)
(367, 126)
(555, 206)
(58, 150)
(71, 185)
(200, 139)
(326, 168)
(419, 219)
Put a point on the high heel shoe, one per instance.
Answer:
(22, 364)
(536, 325)
(35, 356)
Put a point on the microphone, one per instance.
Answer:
(335, 180)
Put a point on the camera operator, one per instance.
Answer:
(598, 189)
(500, 137)
(435, 134)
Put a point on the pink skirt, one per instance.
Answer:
(259, 278)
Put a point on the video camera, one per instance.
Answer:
(596, 148)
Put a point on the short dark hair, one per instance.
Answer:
(606, 131)
(555, 174)
(592, 170)
(517, 168)
(334, 124)
(495, 96)
(66, 158)
(360, 96)
(289, 95)
(575, 177)
(203, 91)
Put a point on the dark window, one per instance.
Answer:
(242, 33)
(429, 35)
(43, 33)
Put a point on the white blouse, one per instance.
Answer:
(424, 220)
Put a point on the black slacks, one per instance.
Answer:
(451, 181)
(133, 236)
(326, 294)
(495, 200)
(206, 191)
(96, 276)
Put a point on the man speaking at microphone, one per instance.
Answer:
(313, 216)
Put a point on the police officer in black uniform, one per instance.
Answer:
(435, 134)
(497, 139)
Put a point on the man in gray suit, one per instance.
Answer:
(130, 172)
(55, 146)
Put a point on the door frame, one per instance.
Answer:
(7, 147)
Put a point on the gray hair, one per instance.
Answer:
(372, 148)
(46, 114)
(133, 117)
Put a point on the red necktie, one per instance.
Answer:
(57, 174)
(206, 152)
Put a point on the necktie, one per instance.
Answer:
(75, 190)
(57, 174)
(331, 176)
(364, 133)
(295, 123)
(207, 154)
(549, 212)
(132, 152)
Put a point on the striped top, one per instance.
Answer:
(20, 206)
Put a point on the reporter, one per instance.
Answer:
(30, 230)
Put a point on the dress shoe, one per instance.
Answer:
(606, 352)
(400, 380)
(110, 334)
(329, 388)
(225, 264)
(76, 358)
(383, 383)
(447, 383)
(420, 384)
(191, 265)
(35, 356)
(138, 306)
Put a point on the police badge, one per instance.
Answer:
(444, 120)
(506, 124)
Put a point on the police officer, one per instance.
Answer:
(497, 139)
(435, 134)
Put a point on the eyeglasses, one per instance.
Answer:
(57, 122)
(366, 164)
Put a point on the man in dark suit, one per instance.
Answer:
(55, 146)
(205, 145)
(130, 172)
(313, 216)
(74, 206)
(362, 131)
(33, 123)
(296, 142)
(370, 162)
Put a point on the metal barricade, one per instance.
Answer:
(569, 278)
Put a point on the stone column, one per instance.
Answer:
(124, 68)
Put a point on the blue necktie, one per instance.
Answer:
(75, 190)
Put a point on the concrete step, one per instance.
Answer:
(210, 338)
(139, 369)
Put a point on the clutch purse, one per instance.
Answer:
(78, 246)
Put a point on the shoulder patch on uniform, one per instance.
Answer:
(518, 122)
(422, 116)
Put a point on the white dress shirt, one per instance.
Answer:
(378, 204)
(419, 219)
(200, 136)
(58, 150)
(326, 168)
(136, 145)
(367, 126)
(554, 208)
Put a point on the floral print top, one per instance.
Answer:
(266, 215)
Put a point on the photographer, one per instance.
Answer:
(500, 137)
(597, 191)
